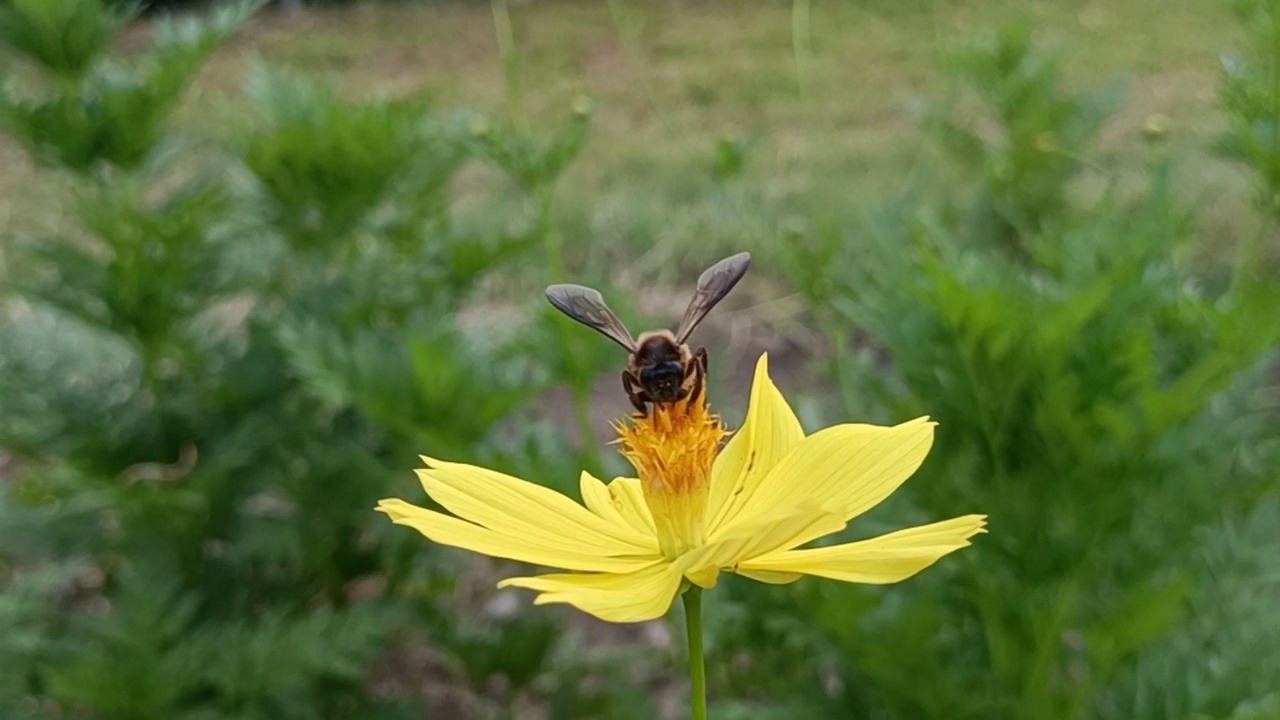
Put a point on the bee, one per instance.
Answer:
(660, 367)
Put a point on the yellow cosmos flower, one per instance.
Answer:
(695, 510)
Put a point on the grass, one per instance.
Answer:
(671, 79)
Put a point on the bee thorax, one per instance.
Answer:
(658, 347)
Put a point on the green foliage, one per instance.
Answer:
(103, 112)
(1222, 663)
(1250, 93)
(1251, 96)
(27, 620)
(210, 383)
(731, 156)
(1025, 144)
(406, 384)
(152, 659)
(1093, 399)
(516, 648)
(66, 38)
(215, 371)
(533, 162)
(153, 270)
(1077, 408)
(536, 163)
(327, 165)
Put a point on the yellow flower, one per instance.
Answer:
(694, 510)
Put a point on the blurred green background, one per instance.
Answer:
(254, 260)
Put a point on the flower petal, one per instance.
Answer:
(768, 535)
(636, 596)
(846, 468)
(449, 530)
(886, 559)
(767, 576)
(770, 431)
(511, 506)
(622, 500)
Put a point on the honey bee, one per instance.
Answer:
(661, 368)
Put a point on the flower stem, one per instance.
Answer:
(802, 44)
(510, 60)
(697, 669)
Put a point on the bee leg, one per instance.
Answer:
(698, 368)
(637, 401)
(637, 397)
(698, 372)
(696, 392)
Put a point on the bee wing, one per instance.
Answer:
(588, 307)
(713, 285)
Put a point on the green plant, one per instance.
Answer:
(537, 164)
(1250, 93)
(1024, 144)
(227, 350)
(65, 38)
(1092, 396)
(209, 383)
(95, 110)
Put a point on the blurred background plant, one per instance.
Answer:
(1113, 410)
(232, 317)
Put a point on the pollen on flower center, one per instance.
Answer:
(672, 451)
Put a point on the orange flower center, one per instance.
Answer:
(672, 451)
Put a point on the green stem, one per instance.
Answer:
(628, 36)
(697, 668)
(802, 44)
(582, 413)
(544, 197)
(839, 339)
(510, 60)
(635, 58)
(579, 385)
